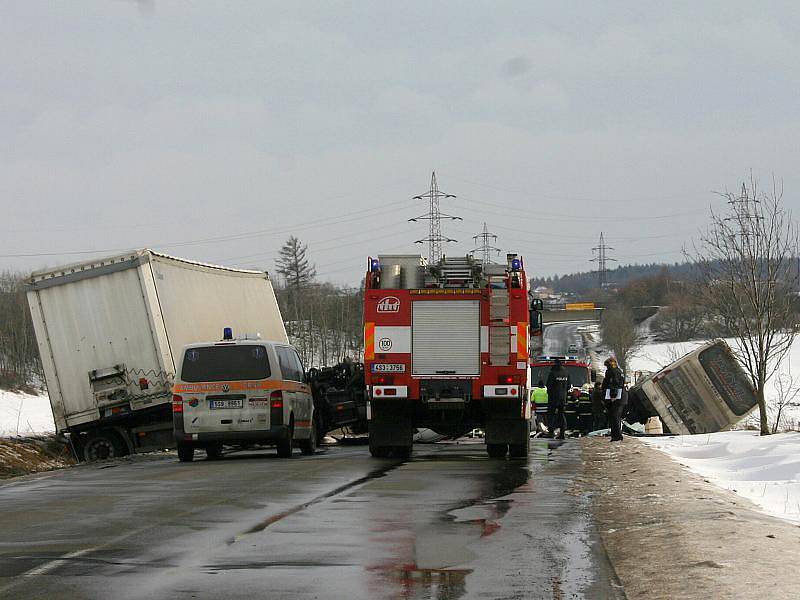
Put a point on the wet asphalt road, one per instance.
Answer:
(557, 337)
(450, 523)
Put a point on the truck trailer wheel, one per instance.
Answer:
(185, 452)
(496, 450)
(102, 445)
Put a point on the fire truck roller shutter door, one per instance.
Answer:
(446, 336)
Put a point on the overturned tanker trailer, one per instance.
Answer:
(705, 391)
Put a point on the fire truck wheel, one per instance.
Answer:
(496, 450)
(518, 450)
(380, 451)
(185, 453)
(403, 452)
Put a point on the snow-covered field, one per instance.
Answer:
(765, 470)
(24, 414)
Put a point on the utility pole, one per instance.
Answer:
(485, 248)
(602, 259)
(434, 216)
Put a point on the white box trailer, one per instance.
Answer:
(110, 330)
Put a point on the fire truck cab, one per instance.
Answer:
(446, 348)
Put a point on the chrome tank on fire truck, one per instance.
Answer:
(446, 348)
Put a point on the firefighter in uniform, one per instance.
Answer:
(558, 385)
(539, 399)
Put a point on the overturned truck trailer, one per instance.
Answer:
(703, 392)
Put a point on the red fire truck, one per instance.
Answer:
(446, 348)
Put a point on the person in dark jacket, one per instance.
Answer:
(599, 420)
(615, 396)
(558, 385)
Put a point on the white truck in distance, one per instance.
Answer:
(111, 330)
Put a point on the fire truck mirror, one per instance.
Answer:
(537, 304)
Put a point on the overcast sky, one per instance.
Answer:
(213, 130)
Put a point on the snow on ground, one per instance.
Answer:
(765, 470)
(24, 414)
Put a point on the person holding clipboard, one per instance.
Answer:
(615, 397)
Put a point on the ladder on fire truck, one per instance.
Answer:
(457, 272)
(499, 321)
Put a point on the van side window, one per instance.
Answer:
(301, 373)
(285, 362)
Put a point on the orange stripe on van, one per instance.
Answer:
(369, 341)
(522, 340)
(239, 386)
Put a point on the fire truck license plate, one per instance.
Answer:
(388, 368)
(227, 403)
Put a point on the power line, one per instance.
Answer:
(601, 259)
(434, 218)
(227, 238)
(486, 249)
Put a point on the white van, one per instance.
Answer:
(241, 392)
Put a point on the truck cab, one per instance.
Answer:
(243, 391)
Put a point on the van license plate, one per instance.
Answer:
(233, 403)
(388, 368)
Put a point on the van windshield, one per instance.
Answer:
(225, 363)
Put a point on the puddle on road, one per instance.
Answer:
(433, 564)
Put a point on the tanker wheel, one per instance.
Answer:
(496, 450)
(102, 445)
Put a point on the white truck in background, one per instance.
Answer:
(110, 331)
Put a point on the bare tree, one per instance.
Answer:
(747, 261)
(788, 390)
(620, 333)
(682, 320)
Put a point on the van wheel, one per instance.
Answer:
(496, 450)
(285, 445)
(214, 452)
(185, 452)
(102, 445)
(309, 446)
(319, 428)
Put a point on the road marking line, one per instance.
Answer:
(54, 564)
